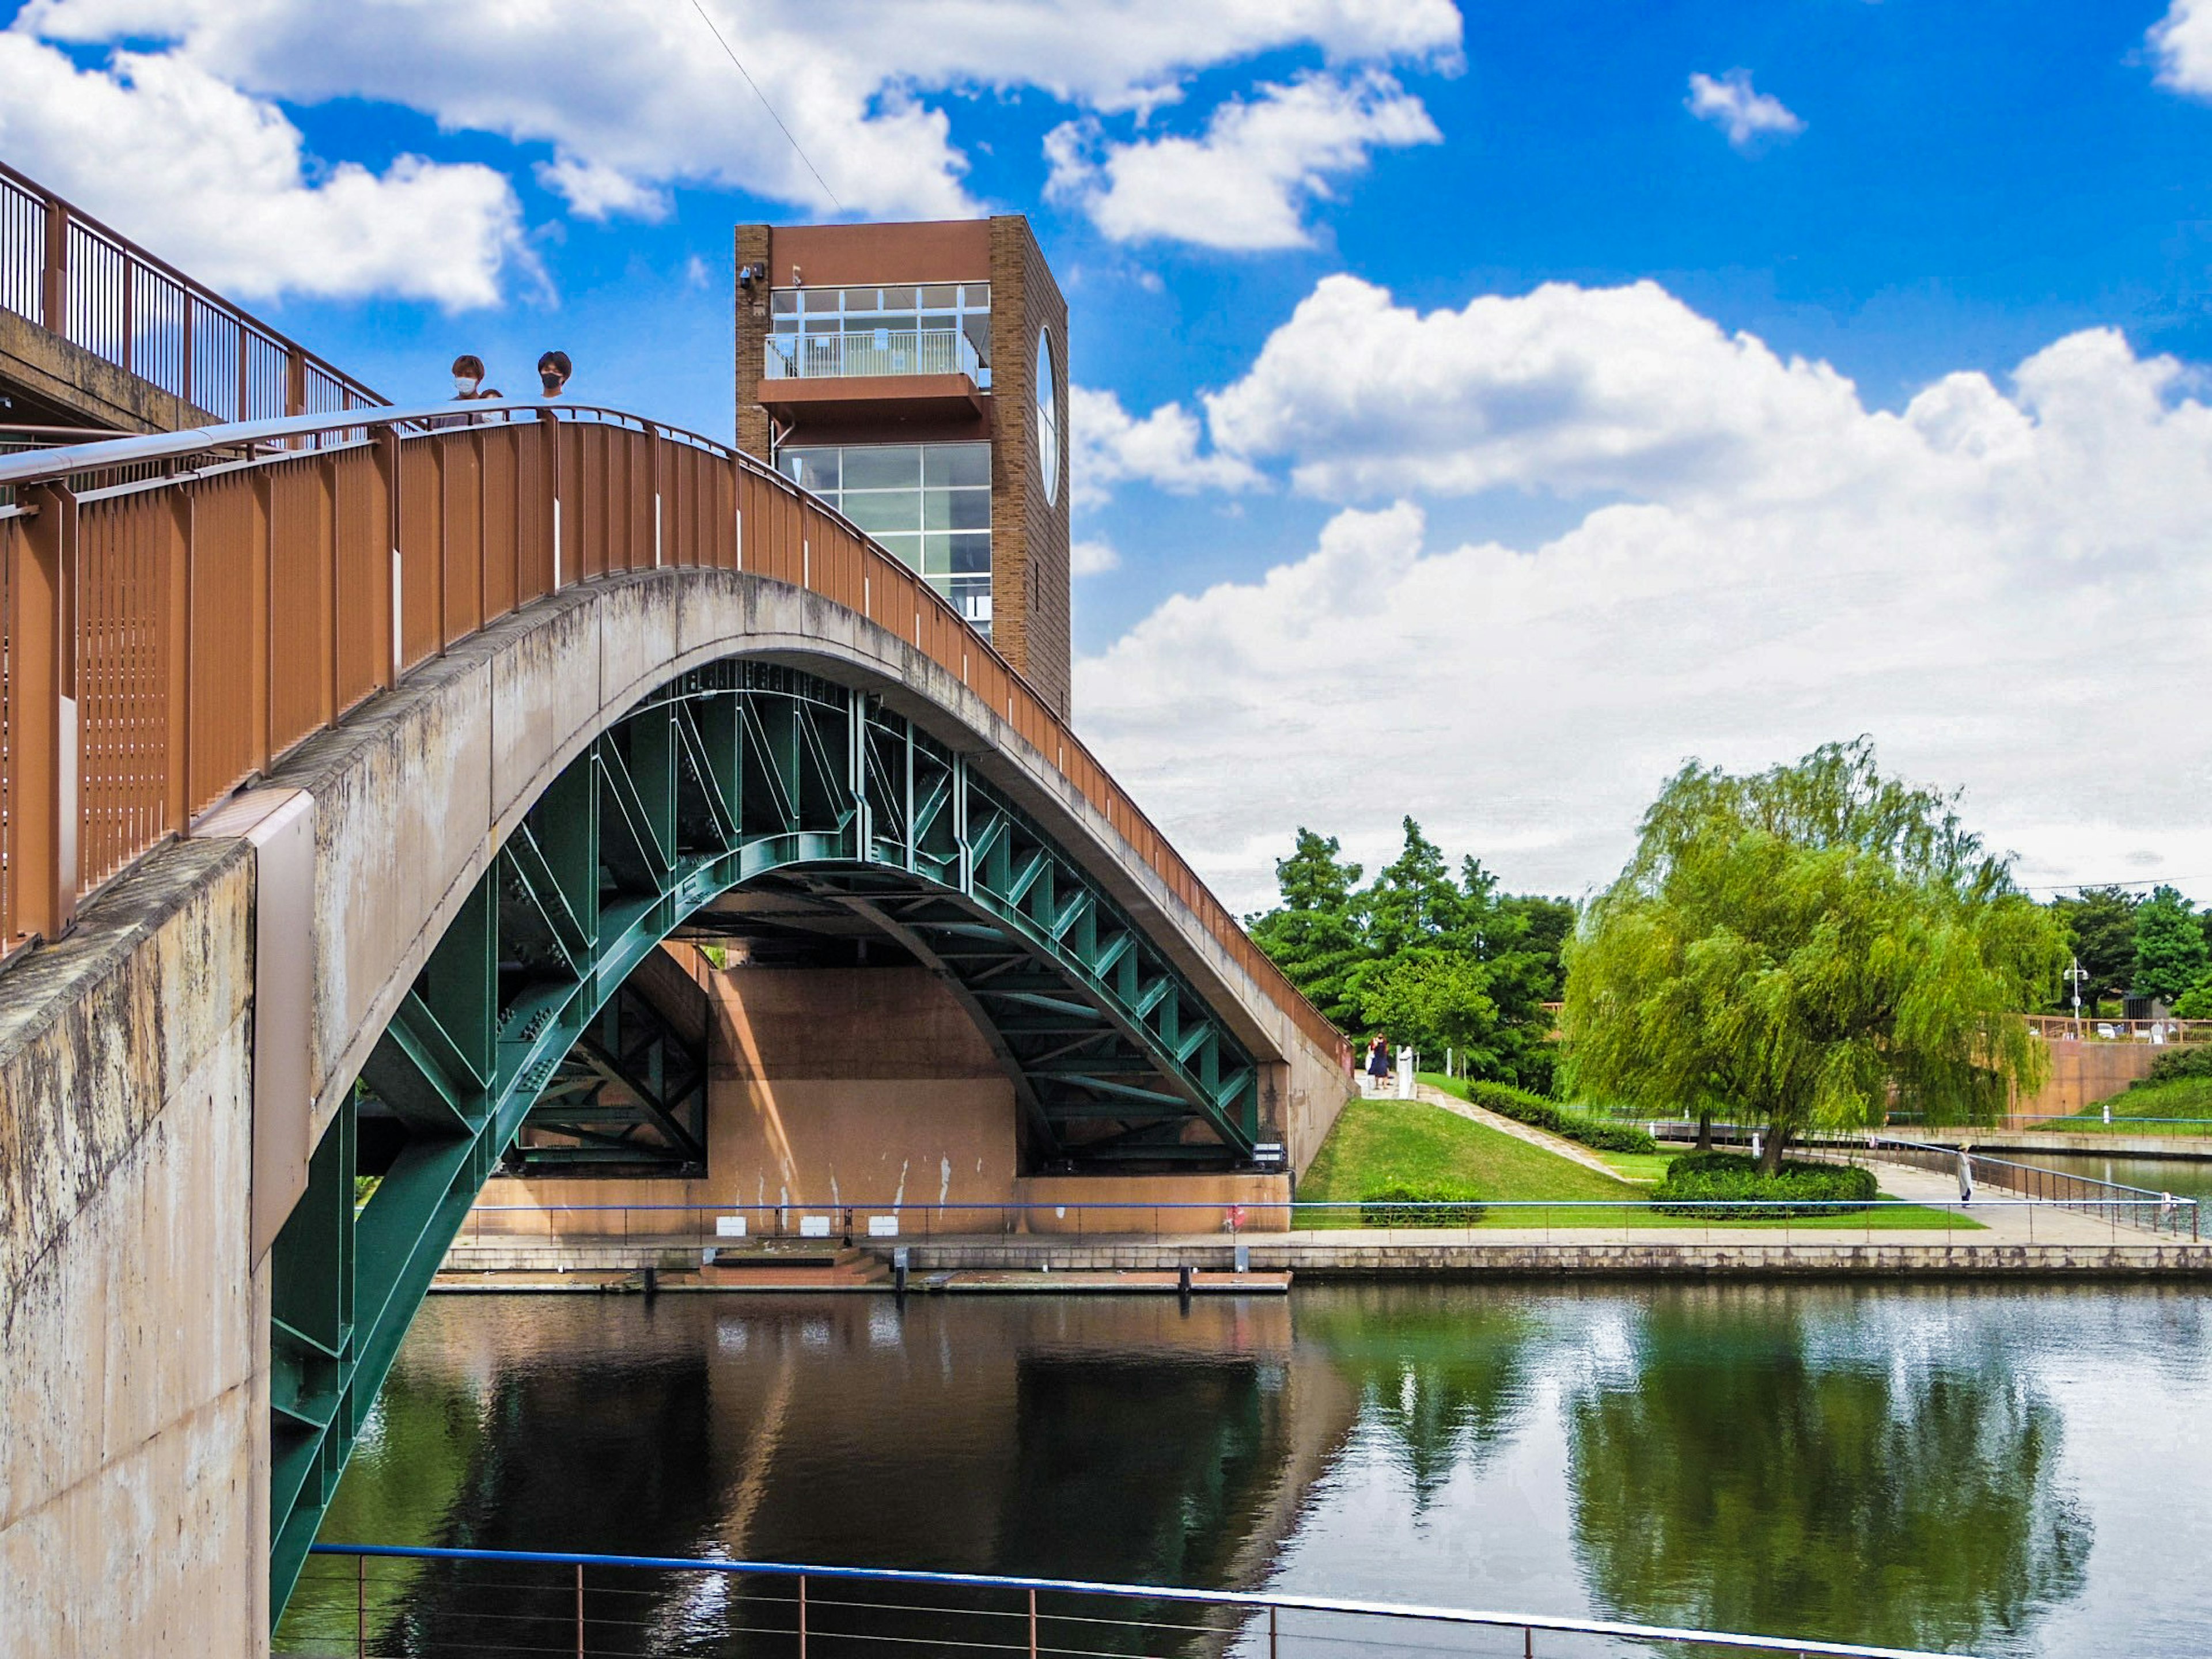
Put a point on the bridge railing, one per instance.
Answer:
(64, 270)
(169, 638)
(368, 1599)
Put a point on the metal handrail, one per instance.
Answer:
(67, 272)
(1256, 1601)
(276, 440)
(881, 352)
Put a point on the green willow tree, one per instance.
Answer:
(1806, 949)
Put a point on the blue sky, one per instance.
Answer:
(1535, 542)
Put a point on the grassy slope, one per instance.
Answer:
(1378, 1144)
(2188, 1097)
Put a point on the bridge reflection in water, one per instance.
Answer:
(1883, 1468)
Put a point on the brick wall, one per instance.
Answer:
(1028, 533)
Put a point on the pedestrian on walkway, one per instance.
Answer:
(1965, 1176)
(1378, 1063)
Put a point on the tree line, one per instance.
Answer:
(2157, 947)
(1812, 947)
(1423, 954)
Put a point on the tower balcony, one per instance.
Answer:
(865, 375)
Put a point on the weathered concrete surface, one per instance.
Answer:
(58, 378)
(133, 1328)
(2084, 1072)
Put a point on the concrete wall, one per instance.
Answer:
(134, 1335)
(826, 1087)
(2083, 1073)
(48, 375)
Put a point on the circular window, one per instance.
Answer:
(1048, 416)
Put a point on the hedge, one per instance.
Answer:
(1538, 1113)
(1437, 1204)
(2190, 1059)
(1797, 1188)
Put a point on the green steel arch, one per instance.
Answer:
(740, 772)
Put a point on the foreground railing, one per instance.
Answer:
(64, 270)
(169, 638)
(370, 1600)
(735, 1228)
(873, 351)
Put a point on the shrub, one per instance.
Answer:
(1435, 1204)
(1696, 1183)
(1538, 1113)
(2190, 1059)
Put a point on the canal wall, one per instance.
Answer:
(1354, 1255)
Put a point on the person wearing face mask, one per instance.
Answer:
(468, 378)
(553, 371)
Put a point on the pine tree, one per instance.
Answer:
(1316, 935)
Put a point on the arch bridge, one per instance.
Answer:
(353, 765)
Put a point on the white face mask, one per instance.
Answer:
(465, 387)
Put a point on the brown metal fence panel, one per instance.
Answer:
(461, 544)
(302, 540)
(363, 577)
(227, 530)
(422, 574)
(500, 525)
(124, 561)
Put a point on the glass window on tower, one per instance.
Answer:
(930, 504)
(902, 328)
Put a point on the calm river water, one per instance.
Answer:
(1984, 1469)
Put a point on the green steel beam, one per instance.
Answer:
(734, 772)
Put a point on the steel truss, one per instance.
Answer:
(738, 772)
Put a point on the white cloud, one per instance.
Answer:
(1244, 183)
(1746, 116)
(216, 182)
(2005, 585)
(1093, 558)
(1566, 390)
(641, 91)
(1113, 447)
(596, 192)
(2182, 42)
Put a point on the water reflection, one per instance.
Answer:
(1903, 1467)
(1731, 1477)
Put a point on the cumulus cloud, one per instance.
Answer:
(218, 182)
(1243, 184)
(638, 90)
(1113, 447)
(1748, 117)
(1566, 390)
(2005, 584)
(2182, 43)
(1093, 558)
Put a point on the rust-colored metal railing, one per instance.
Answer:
(167, 638)
(64, 270)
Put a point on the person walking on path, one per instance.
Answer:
(1378, 1064)
(1965, 1176)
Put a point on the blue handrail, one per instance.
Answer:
(1251, 1599)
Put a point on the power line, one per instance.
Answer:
(765, 105)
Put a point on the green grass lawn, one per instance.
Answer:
(2183, 1097)
(1378, 1144)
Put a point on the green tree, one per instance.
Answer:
(1414, 902)
(1317, 935)
(1803, 946)
(2101, 930)
(2169, 946)
(1436, 999)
